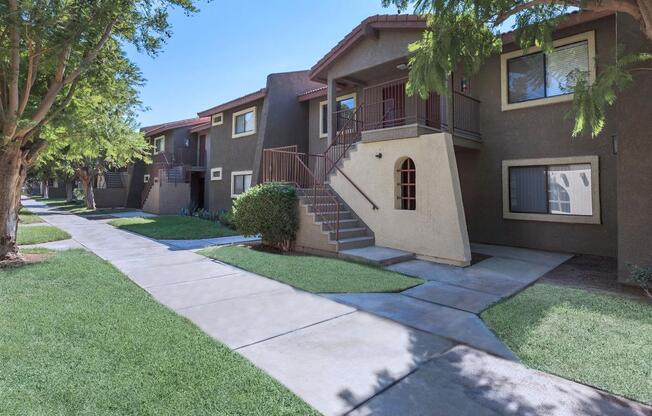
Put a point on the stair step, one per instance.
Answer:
(332, 215)
(344, 224)
(354, 242)
(382, 256)
(350, 233)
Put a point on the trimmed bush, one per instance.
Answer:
(227, 218)
(270, 210)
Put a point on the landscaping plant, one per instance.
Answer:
(268, 210)
(642, 276)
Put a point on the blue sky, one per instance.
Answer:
(228, 48)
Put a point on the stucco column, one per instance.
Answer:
(332, 106)
(450, 111)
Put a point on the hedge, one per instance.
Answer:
(268, 210)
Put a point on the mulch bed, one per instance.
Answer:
(25, 259)
(592, 273)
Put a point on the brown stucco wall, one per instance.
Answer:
(634, 175)
(536, 132)
(110, 197)
(231, 155)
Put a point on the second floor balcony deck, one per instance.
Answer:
(387, 111)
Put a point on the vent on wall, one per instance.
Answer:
(216, 174)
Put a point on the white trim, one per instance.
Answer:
(154, 140)
(353, 95)
(505, 105)
(220, 121)
(594, 218)
(216, 170)
(238, 113)
(236, 173)
(146, 178)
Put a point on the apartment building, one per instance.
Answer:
(494, 162)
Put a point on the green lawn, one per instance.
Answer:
(597, 339)
(173, 227)
(312, 273)
(25, 216)
(40, 234)
(77, 337)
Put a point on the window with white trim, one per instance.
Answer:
(244, 122)
(549, 189)
(159, 144)
(536, 78)
(217, 119)
(216, 174)
(345, 107)
(240, 182)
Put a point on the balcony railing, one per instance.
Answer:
(388, 105)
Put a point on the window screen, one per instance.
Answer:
(555, 189)
(539, 75)
(241, 183)
(244, 122)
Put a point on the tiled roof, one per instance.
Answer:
(201, 127)
(386, 21)
(414, 22)
(160, 128)
(313, 93)
(234, 103)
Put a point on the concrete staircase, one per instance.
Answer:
(322, 203)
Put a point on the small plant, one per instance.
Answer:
(642, 276)
(227, 218)
(189, 210)
(78, 193)
(268, 210)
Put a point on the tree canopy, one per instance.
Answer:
(462, 34)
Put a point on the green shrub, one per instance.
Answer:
(268, 210)
(642, 276)
(227, 218)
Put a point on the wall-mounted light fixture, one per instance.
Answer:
(402, 67)
(379, 155)
(187, 142)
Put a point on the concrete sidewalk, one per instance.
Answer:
(333, 356)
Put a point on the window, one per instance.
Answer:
(549, 189)
(146, 178)
(217, 119)
(159, 144)
(216, 174)
(407, 196)
(537, 78)
(240, 182)
(244, 122)
(345, 107)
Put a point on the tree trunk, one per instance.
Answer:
(12, 177)
(69, 194)
(45, 189)
(86, 178)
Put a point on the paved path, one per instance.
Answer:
(337, 358)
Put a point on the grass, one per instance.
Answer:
(26, 216)
(173, 227)
(312, 273)
(79, 338)
(597, 339)
(40, 234)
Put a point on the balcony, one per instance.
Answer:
(388, 112)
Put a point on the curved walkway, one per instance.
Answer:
(335, 357)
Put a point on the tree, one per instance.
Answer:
(46, 49)
(462, 34)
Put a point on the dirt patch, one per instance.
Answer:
(593, 273)
(25, 259)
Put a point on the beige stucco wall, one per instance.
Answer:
(436, 230)
(310, 238)
(167, 198)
